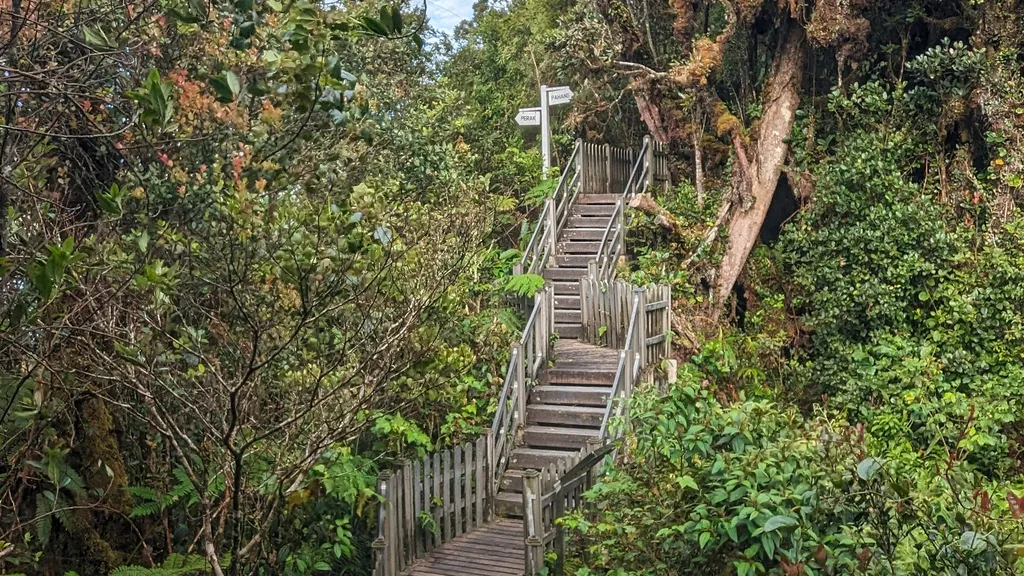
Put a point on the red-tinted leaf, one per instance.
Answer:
(1015, 504)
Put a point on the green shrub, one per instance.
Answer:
(754, 488)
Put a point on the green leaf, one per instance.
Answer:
(396, 19)
(776, 522)
(385, 19)
(323, 566)
(226, 85)
(687, 482)
(868, 467)
(97, 38)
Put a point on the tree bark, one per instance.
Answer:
(781, 99)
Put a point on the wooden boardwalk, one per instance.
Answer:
(495, 549)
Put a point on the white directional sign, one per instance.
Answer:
(559, 95)
(528, 117)
(541, 116)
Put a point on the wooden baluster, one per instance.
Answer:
(668, 322)
(481, 482)
(394, 553)
(428, 502)
(517, 353)
(408, 525)
(457, 489)
(446, 491)
(439, 497)
(492, 475)
(467, 453)
(552, 231)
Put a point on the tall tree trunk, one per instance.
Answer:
(781, 98)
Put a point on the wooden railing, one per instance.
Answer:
(542, 244)
(618, 315)
(651, 165)
(529, 356)
(427, 503)
(552, 493)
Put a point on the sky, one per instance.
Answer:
(446, 14)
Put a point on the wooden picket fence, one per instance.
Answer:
(607, 307)
(430, 501)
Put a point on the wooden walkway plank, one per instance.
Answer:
(494, 549)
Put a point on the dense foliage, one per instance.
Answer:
(252, 251)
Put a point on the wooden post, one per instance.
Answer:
(668, 322)
(481, 481)
(438, 511)
(390, 563)
(378, 557)
(491, 472)
(608, 169)
(533, 522)
(517, 353)
(467, 488)
(649, 161)
(552, 231)
(446, 495)
(621, 252)
(408, 520)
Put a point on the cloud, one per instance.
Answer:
(446, 14)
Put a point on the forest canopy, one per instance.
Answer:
(252, 252)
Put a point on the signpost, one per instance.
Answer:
(541, 116)
(528, 117)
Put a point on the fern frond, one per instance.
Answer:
(524, 284)
(144, 492)
(43, 521)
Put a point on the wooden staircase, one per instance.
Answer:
(552, 420)
(586, 228)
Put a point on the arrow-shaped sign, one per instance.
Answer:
(559, 95)
(528, 117)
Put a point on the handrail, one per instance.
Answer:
(605, 261)
(624, 356)
(535, 257)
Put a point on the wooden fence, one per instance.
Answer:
(549, 495)
(605, 169)
(607, 308)
(429, 502)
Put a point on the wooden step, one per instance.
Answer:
(511, 481)
(605, 210)
(574, 260)
(566, 301)
(567, 288)
(577, 247)
(571, 395)
(568, 331)
(536, 458)
(556, 437)
(586, 234)
(598, 198)
(564, 274)
(509, 504)
(564, 415)
(578, 376)
(587, 222)
(568, 316)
